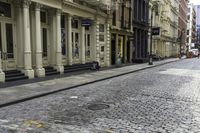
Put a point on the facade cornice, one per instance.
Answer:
(84, 8)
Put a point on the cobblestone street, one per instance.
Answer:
(164, 99)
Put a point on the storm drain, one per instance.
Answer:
(99, 106)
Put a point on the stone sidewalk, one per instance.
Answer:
(16, 94)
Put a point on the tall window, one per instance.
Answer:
(63, 35)
(135, 9)
(122, 13)
(114, 18)
(101, 35)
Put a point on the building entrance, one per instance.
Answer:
(44, 34)
(88, 46)
(7, 46)
(113, 49)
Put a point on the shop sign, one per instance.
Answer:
(86, 22)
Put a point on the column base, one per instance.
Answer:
(60, 69)
(70, 63)
(83, 62)
(40, 72)
(2, 77)
(29, 73)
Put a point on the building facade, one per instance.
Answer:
(140, 29)
(191, 26)
(197, 9)
(40, 33)
(165, 15)
(183, 24)
(121, 31)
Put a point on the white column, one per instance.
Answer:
(40, 72)
(27, 42)
(108, 44)
(2, 74)
(97, 42)
(19, 27)
(69, 43)
(83, 44)
(59, 65)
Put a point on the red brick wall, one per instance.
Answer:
(183, 9)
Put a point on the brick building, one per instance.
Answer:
(183, 22)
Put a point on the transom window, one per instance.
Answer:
(75, 23)
(5, 9)
(43, 17)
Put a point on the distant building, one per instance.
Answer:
(191, 26)
(165, 16)
(197, 9)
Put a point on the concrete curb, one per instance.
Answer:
(75, 86)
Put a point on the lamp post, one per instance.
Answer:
(155, 6)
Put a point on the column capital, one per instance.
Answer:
(37, 6)
(26, 3)
(69, 16)
(58, 12)
(17, 3)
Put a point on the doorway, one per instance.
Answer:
(113, 49)
(44, 39)
(7, 47)
(128, 51)
(88, 46)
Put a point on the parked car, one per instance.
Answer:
(195, 52)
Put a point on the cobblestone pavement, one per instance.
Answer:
(164, 99)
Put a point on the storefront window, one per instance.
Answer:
(63, 35)
(75, 44)
(44, 41)
(87, 44)
(5, 9)
(9, 40)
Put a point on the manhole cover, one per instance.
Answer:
(162, 70)
(98, 106)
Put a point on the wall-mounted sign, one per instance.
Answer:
(156, 31)
(86, 22)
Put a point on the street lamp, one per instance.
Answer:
(154, 7)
